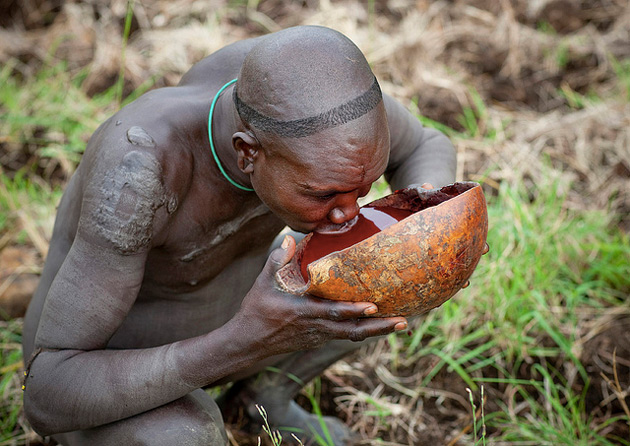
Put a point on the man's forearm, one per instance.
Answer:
(69, 390)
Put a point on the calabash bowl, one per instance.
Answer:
(410, 267)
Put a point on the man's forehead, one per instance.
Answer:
(299, 128)
(324, 186)
(346, 171)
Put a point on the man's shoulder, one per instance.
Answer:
(145, 139)
(223, 63)
(125, 132)
(129, 172)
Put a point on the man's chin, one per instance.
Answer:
(300, 229)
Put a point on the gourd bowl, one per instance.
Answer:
(410, 267)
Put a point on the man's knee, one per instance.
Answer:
(193, 420)
(189, 421)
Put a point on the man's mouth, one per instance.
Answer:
(337, 229)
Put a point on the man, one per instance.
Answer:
(158, 281)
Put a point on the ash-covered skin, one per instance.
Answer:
(226, 230)
(160, 277)
(139, 137)
(132, 192)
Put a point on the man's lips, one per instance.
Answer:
(336, 229)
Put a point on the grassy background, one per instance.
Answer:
(537, 349)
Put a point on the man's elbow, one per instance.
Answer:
(39, 414)
(443, 144)
(443, 158)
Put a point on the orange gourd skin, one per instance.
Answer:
(410, 267)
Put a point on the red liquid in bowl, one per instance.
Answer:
(370, 221)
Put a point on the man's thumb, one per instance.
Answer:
(282, 255)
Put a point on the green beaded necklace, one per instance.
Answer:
(214, 152)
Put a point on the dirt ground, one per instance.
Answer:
(533, 64)
(522, 69)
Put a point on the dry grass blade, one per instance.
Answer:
(34, 233)
(614, 384)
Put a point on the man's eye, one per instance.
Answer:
(325, 197)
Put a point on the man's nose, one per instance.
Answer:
(344, 212)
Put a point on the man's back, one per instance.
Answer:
(151, 161)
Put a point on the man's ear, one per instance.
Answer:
(247, 148)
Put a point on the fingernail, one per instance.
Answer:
(285, 242)
(400, 326)
(370, 310)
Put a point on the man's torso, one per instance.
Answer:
(214, 239)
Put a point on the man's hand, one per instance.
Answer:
(426, 186)
(416, 188)
(280, 322)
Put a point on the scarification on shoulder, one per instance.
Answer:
(131, 194)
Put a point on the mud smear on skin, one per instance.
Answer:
(131, 193)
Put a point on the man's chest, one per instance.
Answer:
(200, 245)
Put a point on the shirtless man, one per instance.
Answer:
(159, 281)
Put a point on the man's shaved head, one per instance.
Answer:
(302, 80)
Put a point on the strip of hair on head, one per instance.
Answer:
(303, 80)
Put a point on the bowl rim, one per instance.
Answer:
(402, 196)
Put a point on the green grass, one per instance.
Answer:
(515, 332)
(560, 418)
(475, 120)
(11, 428)
(576, 100)
(312, 391)
(481, 429)
(523, 313)
(50, 115)
(27, 209)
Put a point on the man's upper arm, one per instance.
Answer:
(100, 278)
(417, 154)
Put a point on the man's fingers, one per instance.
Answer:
(418, 188)
(369, 327)
(282, 255)
(349, 320)
(316, 307)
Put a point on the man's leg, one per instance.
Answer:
(276, 388)
(192, 420)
